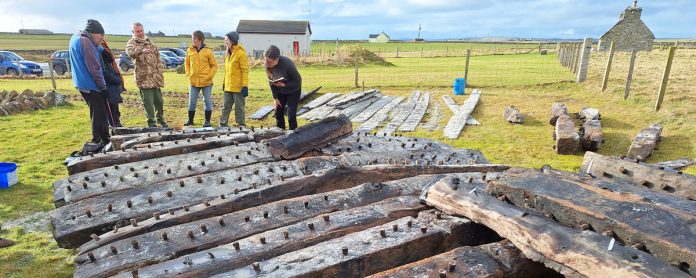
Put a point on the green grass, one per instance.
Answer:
(39, 141)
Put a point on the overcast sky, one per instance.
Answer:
(355, 19)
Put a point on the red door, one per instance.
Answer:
(296, 48)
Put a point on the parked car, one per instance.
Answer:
(179, 60)
(178, 51)
(124, 62)
(61, 61)
(8, 61)
(169, 62)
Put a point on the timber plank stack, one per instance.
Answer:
(324, 201)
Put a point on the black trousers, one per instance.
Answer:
(98, 113)
(115, 118)
(290, 101)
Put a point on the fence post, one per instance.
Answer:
(605, 80)
(466, 68)
(446, 51)
(586, 51)
(665, 78)
(630, 73)
(50, 69)
(356, 69)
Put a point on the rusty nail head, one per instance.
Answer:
(91, 257)
(409, 223)
(113, 250)
(169, 194)
(326, 217)
(204, 228)
(265, 214)
(129, 203)
(344, 250)
(382, 233)
(171, 211)
(263, 240)
(306, 204)
(206, 203)
(452, 265)
(190, 234)
(236, 245)
(443, 273)
(286, 234)
(256, 266)
(134, 222)
(186, 208)
(135, 244)
(163, 235)
(156, 215)
(395, 227)
(285, 209)
(423, 228)
(89, 214)
(310, 225)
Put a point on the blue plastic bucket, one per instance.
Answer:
(8, 175)
(459, 86)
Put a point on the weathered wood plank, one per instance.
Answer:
(676, 164)
(591, 135)
(310, 136)
(645, 142)
(317, 102)
(101, 160)
(337, 176)
(500, 259)
(451, 104)
(135, 174)
(567, 139)
(380, 116)
(512, 115)
(372, 109)
(248, 237)
(456, 123)
(262, 112)
(359, 106)
(567, 250)
(614, 211)
(400, 114)
(557, 109)
(416, 116)
(151, 138)
(675, 183)
(136, 130)
(370, 251)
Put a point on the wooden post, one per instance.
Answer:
(53, 77)
(665, 78)
(584, 60)
(356, 69)
(466, 68)
(630, 73)
(397, 52)
(605, 80)
(446, 51)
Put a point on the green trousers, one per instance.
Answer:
(153, 102)
(236, 100)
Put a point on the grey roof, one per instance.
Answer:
(372, 36)
(274, 27)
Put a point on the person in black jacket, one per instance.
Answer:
(114, 85)
(286, 92)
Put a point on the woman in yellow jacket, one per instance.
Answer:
(200, 68)
(236, 82)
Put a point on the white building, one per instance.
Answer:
(292, 37)
(379, 38)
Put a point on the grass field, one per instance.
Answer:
(39, 141)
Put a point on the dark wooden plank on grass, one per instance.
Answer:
(676, 183)
(371, 251)
(570, 251)
(645, 142)
(400, 114)
(311, 136)
(248, 236)
(357, 107)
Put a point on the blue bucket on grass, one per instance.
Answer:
(459, 86)
(8, 175)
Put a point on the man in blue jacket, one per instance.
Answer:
(88, 76)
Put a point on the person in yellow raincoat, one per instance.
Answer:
(200, 68)
(235, 86)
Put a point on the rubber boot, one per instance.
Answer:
(207, 118)
(190, 118)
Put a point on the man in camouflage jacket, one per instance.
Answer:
(148, 74)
